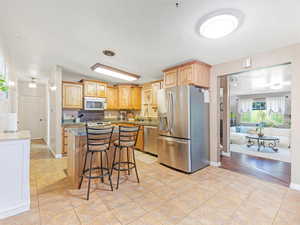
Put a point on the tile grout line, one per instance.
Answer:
(274, 219)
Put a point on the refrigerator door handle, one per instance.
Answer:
(169, 112)
(172, 107)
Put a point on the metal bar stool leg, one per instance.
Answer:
(90, 174)
(109, 176)
(101, 166)
(136, 172)
(113, 162)
(84, 165)
(119, 167)
(128, 164)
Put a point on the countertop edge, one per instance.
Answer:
(14, 136)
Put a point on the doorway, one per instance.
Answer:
(255, 120)
(32, 111)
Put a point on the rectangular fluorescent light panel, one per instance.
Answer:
(113, 72)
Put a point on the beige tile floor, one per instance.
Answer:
(212, 196)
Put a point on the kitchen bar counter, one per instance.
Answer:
(76, 153)
(153, 123)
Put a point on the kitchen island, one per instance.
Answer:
(14, 173)
(77, 150)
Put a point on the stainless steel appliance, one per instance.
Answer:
(150, 139)
(183, 141)
(94, 103)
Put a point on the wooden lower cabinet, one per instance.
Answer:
(64, 141)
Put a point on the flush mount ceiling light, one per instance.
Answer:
(220, 23)
(114, 72)
(32, 83)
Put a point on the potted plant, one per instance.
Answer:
(3, 84)
(260, 125)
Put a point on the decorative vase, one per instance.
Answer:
(260, 134)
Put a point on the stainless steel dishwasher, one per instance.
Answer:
(150, 139)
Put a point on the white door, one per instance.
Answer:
(32, 116)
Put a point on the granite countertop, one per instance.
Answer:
(142, 123)
(80, 131)
(19, 135)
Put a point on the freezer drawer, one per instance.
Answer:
(175, 153)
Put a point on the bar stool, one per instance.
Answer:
(98, 141)
(127, 139)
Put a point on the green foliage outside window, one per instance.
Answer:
(257, 116)
(3, 84)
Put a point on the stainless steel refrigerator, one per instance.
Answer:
(183, 141)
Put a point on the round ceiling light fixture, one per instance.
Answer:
(220, 23)
(108, 53)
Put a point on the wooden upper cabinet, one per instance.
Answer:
(101, 90)
(72, 95)
(155, 87)
(95, 89)
(124, 93)
(192, 73)
(185, 75)
(170, 78)
(136, 98)
(112, 98)
(90, 89)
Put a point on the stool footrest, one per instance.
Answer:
(132, 166)
(105, 172)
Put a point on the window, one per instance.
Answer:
(257, 116)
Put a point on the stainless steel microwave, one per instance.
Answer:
(94, 103)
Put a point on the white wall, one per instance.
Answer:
(275, 57)
(9, 104)
(55, 112)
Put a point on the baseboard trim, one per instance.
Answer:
(227, 154)
(216, 164)
(295, 186)
(57, 156)
(15, 210)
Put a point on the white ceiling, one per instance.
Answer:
(260, 81)
(147, 36)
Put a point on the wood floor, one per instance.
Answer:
(264, 169)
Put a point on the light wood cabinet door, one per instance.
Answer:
(155, 88)
(101, 90)
(192, 73)
(170, 78)
(124, 93)
(112, 98)
(186, 75)
(72, 95)
(136, 98)
(140, 139)
(90, 89)
(203, 75)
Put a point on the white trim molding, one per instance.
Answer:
(57, 156)
(227, 154)
(217, 164)
(15, 210)
(295, 186)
